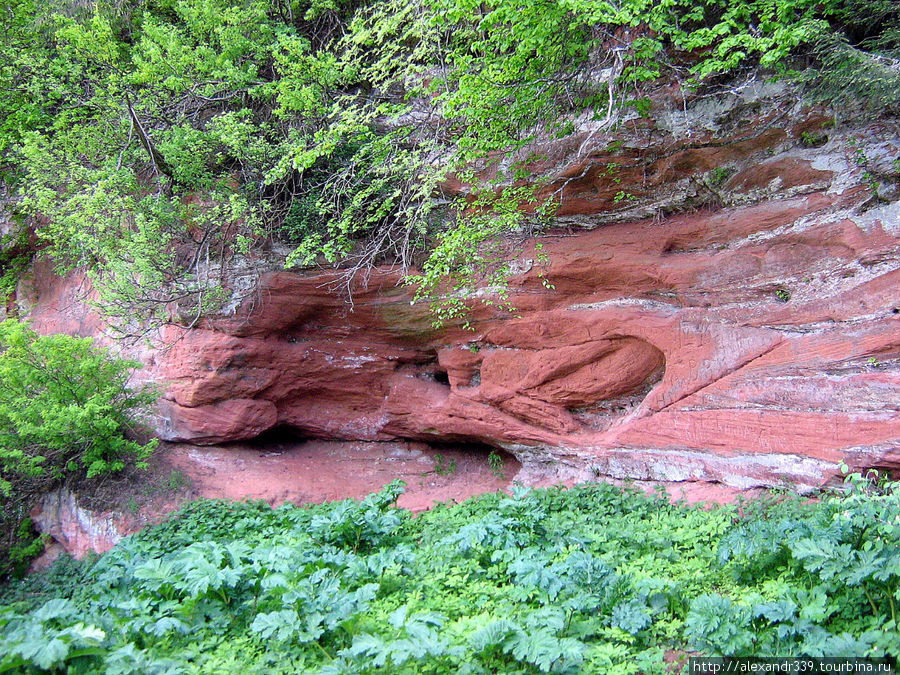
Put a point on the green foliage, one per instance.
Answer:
(471, 255)
(176, 480)
(15, 257)
(509, 64)
(718, 176)
(782, 295)
(593, 579)
(361, 525)
(443, 466)
(860, 158)
(828, 575)
(812, 139)
(857, 68)
(64, 409)
(495, 462)
(641, 105)
(154, 141)
(64, 406)
(25, 545)
(543, 261)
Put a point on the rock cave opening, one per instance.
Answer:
(473, 455)
(278, 438)
(433, 372)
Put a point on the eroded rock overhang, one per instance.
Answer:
(735, 319)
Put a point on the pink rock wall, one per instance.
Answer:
(753, 338)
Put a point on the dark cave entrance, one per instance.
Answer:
(278, 438)
(467, 455)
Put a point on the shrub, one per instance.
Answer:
(65, 407)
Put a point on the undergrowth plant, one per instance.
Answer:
(592, 579)
(495, 462)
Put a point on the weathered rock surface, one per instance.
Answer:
(283, 469)
(79, 530)
(751, 339)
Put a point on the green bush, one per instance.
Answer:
(65, 407)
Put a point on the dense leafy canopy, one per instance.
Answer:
(591, 580)
(156, 141)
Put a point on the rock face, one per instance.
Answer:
(77, 529)
(753, 338)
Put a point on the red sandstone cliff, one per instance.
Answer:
(751, 338)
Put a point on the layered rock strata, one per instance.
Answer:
(719, 301)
